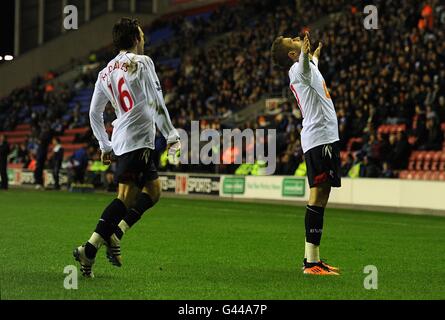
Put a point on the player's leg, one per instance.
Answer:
(111, 216)
(144, 201)
(314, 217)
(126, 173)
(108, 221)
(151, 190)
(149, 196)
(321, 176)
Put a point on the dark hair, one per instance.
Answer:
(280, 53)
(125, 33)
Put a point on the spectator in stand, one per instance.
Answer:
(441, 109)
(4, 151)
(372, 150)
(79, 164)
(400, 151)
(386, 171)
(347, 165)
(57, 159)
(434, 134)
(42, 152)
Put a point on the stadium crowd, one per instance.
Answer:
(217, 64)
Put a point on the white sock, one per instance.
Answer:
(312, 252)
(305, 250)
(96, 240)
(123, 226)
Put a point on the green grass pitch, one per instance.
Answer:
(196, 249)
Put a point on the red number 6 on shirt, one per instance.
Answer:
(124, 95)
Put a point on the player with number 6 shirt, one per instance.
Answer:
(129, 82)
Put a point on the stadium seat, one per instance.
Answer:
(436, 160)
(427, 175)
(435, 175)
(67, 139)
(410, 175)
(419, 160)
(442, 162)
(403, 174)
(73, 146)
(428, 158)
(419, 175)
(76, 131)
(23, 126)
(16, 133)
(412, 160)
(442, 176)
(17, 140)
(400, 127)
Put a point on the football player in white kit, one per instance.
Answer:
(319, 139)
(129, 82)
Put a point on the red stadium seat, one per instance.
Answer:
(419, 175)
(17, 133)
(24, 126)
(73, 146)
(410, 175)
(67, 139)
(412, 160)
(427, 175)
(419, 160)
(382, 129)
(427, 160)
(17, 140)
(435, 175)
(403, 174)
(435, 161)
(442, 162)
(67, 154)
(76, 131)
(400, 127)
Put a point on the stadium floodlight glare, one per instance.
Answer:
(1, 58)
(8, 57)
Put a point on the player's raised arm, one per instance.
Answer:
(98, 103)
(304, 67)
(316, 55)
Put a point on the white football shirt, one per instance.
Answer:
(317, 109)
(130, 83)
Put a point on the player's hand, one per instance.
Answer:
(106, 158)
(306, 44)
(174, 152)
(317, 51)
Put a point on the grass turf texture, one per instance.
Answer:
(190, 249)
